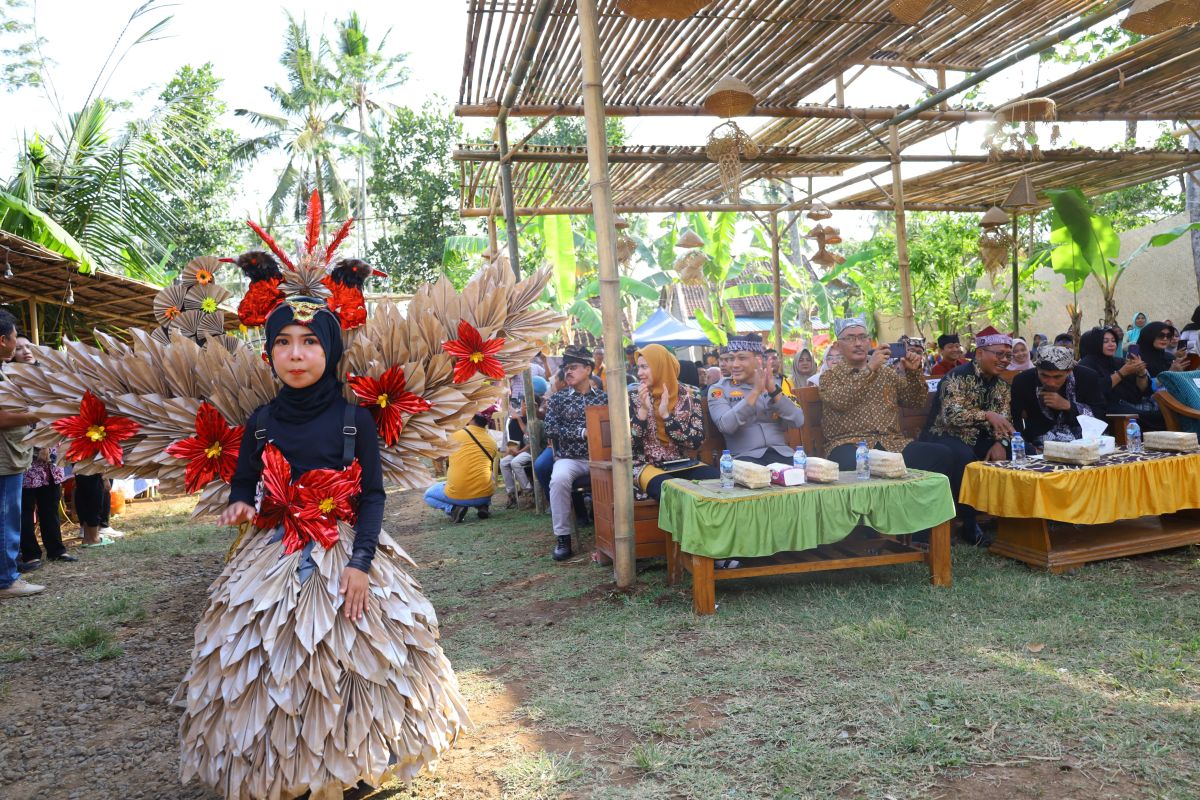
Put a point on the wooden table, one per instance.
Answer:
(1058, 517)
(847, 543)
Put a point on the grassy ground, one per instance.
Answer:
(860, 684)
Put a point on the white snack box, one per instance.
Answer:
(886, 465)
(751, 475)
(1077, 452)
(821, 470)
(1172, 441)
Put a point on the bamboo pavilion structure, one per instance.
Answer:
(796, 60)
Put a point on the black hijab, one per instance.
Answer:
(299, 406)
(1091, 348)
(1157, 360)
(1194, 325)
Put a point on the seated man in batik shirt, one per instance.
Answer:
(970, 414)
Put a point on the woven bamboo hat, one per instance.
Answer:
(731, 97)
(992, 217)
(689, 240)
(1155, 16)
(661, 9)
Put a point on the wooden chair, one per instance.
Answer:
(912, 420)
(1173, 410)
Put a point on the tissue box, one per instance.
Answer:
(1172, 441)
(1108, 445)
(1077, 452)
(787, 475)
(821, 470)
(886, 465)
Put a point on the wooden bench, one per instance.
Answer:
(1173, 410)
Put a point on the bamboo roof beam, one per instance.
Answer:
(682, 208)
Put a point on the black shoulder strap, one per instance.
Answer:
(490, 457)
(262, 421)
(349, 432)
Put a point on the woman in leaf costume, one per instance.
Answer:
(316, 664)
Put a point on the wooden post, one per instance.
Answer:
(840, 89)
(624, 556)
(532, 424)
(1193, 208)
(35, 334)
(776, 294)
(1016, 272)
(906, 298)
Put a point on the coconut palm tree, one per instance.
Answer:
(308, 128)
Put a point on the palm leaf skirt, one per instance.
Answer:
(285, 695)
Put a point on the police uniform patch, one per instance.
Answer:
(736, 394)
(716, 394)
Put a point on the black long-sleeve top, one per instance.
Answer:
(318, 445)
(1027, 415)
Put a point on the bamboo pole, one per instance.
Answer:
(1016, 270)
(682, 208)
(532, 425)
(776, 293)
(906, 298)
(787, 156)
(35, 333)
(624, 555)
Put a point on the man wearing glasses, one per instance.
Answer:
(970, 415)
(566, 424)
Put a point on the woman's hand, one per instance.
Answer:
(236, 514)
(644, 403)
(354, 589)
(664, 407)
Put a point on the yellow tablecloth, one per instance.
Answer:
(1120, 487)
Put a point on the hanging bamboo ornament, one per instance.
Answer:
(824, 258)
(1023, 196)
(731, 97)
(909, 12)
(995, 242)
(689, 240)
(626, 247)
(690, 268)
(1033, 109)
(1148, 17)
(819, 211)
(727, 145)
(661, 9)
(621, 223)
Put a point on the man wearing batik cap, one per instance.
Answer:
(1048, 401)
(566, 424)
(861, 400)
(724, 360)
(950, 355)
(970, 415)
(750, 408)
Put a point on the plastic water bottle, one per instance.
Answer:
(862, 462)
(1133, 436)
(726, 470)
(800, 460)
(1018, 449)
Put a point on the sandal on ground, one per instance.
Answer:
(104, 542)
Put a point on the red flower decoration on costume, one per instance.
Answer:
(92, 431)
(211, 452)
(347, 302)
(388, 400)
(474, 354)
(310, 507)
(260, 299)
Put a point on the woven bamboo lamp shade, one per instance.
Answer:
(1155, 16)
(909, 11)
(1033, 109)
(731, 97)
(1022, 195)
(661, 9)
(993, 217)
(689, 240)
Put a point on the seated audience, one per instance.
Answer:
(468, 481)
(516, 459)
(1191, 331)
(832, 357)
(1048, 401)
(1064, 340)
(950, 355)
(1021, 359)
(775, 365)
(1125, 381)
(689, 374)
(566, 425)
(861, 400)
(712, 375)
(970, 414)
(1153, 342)
(666, 420)
(750, 408)
(724, 360)
(804, 366)
(1134, 334)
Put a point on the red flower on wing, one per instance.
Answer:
(211, 452)
(310, 507)
(347, 302)
(260, 299)
(388, 400)
(474, 354)
(93, 431)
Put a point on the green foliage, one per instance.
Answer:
(572, 132)
(1086, 243)
(560, 252)
(21, 61)
(1091, 46)
(413, 187)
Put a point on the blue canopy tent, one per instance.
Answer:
(664, 329)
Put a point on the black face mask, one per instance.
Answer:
(298, 406)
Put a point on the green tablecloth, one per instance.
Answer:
(710, 521)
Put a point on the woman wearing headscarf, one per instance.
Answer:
(1134, 334)
(1154, 342)
(1125, 381)
(804, 366)
(1020, 357)
(665, 422)
(1191, 331)
(833, 357)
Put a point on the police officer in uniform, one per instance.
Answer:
(750, 408)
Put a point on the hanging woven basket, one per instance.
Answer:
(690, 268)
(661, 9)
(1035, 109)
(621, 223)
(909, 12)
(731, 97)
(626, 247)
(994, 245)
(819, 211)
(1148, 17)
(727, 145)
(690, 240)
